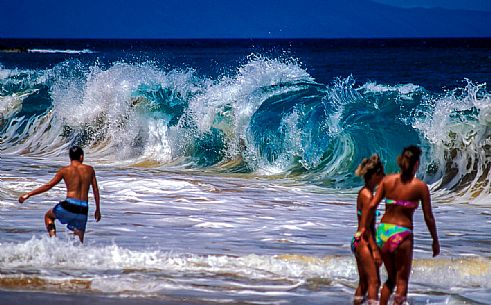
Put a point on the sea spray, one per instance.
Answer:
(456, 127)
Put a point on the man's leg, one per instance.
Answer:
(80, 234)
(49, 220)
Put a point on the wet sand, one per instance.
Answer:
(38, 298)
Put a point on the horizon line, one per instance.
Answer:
(249, 38)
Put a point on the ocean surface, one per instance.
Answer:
(226, 166)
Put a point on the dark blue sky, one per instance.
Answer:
(483, 5)
(244, 19)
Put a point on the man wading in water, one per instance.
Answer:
(73, 211)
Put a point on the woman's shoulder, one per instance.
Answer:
(365, 193)
(391, 178)
(420, 183)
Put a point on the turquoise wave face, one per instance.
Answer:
(270, 117)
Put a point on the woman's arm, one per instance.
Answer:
(430, 219)
(368, 210)
(375, 251)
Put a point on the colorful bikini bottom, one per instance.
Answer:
(390, 236)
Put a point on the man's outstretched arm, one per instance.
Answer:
(46, 187)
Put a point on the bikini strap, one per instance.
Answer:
(403, 203)
(377, 213)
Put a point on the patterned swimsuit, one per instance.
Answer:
(390, 236)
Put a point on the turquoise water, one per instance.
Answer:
(226, 168)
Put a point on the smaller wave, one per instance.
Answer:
(54, 254)
(55, 51)
(51, 255)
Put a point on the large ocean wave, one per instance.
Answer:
(268, 117)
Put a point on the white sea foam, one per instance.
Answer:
(55, 254)
(10, 105)
(214, 225)
(403, 89)
(456, 127)
(66, 51)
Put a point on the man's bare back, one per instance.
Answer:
(78, 178)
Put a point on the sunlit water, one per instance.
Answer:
(199, 237)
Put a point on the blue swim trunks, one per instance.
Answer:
(73, 213)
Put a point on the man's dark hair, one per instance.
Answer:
(75, 153)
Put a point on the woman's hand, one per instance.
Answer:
(436, 247)
(377, 258)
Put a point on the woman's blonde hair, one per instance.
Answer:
(369, 166)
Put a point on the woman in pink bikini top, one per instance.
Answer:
(394, 236)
